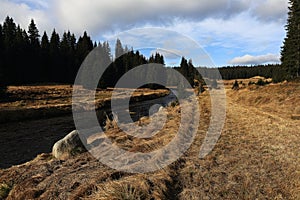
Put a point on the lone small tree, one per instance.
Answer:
(235, 85)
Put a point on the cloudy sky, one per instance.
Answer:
(230, 31)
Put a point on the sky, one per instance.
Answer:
(231, 32)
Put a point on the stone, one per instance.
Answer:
(69, 146)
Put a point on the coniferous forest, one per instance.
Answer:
(31, 57)
(26, 57)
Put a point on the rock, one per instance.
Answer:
(70, 145)
(161, 109)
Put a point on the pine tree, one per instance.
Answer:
(290, 54)
(119, 50)
(33, 34)
(9, 36)
(54, 56)
(1, 49)
(21, 53)
(45, 59)
(84, 46)
(45, 42)
(2, 76)
(9, 33)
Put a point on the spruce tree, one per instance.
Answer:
(33, 34)
(45, 42)
(290, 54)
(54, 56)
(1, 50)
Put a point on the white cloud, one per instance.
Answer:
(101, 17)
(247, 26)
(241, 34)
(97, 16)
(255, 60)
(22, 13)
(271, 10)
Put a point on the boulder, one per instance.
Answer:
(70, 145)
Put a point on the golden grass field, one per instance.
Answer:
(256, 157)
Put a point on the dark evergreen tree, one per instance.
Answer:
(235, 85)
(34, 68)
(119, 49)
(22, 50)
(54, 56)
(84, 46)
(9, 35)
(290, 54)
(45, 42)
(159, 59)
(33, 34)
(119, 66)
(46, 61)
(186, 69)
(2, 76)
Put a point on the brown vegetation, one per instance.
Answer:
(33, 118)
(256, 157)
(35, 102)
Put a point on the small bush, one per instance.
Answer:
(174, 103)
(4, 190)
(260, 82)
(235, 85)
(128, 192)
(251, 83)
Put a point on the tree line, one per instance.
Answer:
(273, 71)
(26, 57)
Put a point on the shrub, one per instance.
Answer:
(4, 190)
(174, 103)
(251, 83)
(128, 192)
(260, 82)
(235, 85)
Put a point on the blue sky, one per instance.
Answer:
(231, 31)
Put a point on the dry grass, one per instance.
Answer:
(256, 157)
(34, 102)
